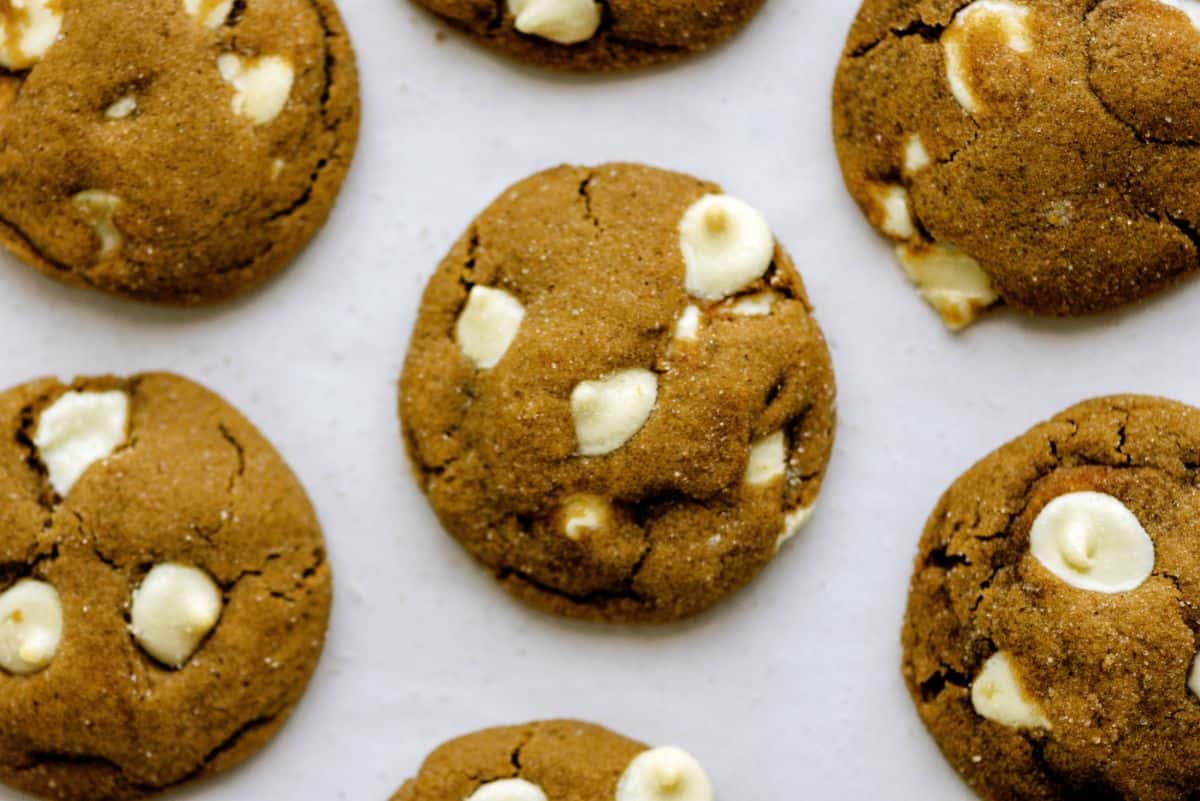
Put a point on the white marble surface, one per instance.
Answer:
(790, 689)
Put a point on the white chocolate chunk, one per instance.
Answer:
(583, 513)
(997, 696)
(261, 86)
(609, 411)
(950, 281)
(122, 108)
(31, 625)
(1012, 20)
(1092, 541)
(892, 211)
(487, 325)
(1189, 7)
(760, 304)
(793, 521)
(727, 245)
(27, 30)
(916, 157)
(98, 208)
(508, 790)
(1194, 678)
(768, 460)
(562, 21)
(664, 774)
(78, 430)
(209, 13)
(687, 327)
(173, 610)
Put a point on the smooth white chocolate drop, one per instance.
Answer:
(768, 460)
(609, 411)
(78, 430)
(173, 610)
(487, 325)
(261, 86)
(727, 245)
(664, 774)
(31, 626)
(1092, 541)
(997, 695)
(508, 790)
(562, 21)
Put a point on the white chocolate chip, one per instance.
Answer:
(664, 774)
(1189, 7)
(793, 521)
(78, 430)
(687, 327)
(1194, 678)
(277, 167)
(508, 790)
(261, 86)
(122, 108)
(727, 245)
(760, 304)
(562, 21)
(487, 325)
(1010, 18)
(950, 281)
(892, 211)
(209, 13)
(98, 208)
(609, 411)
(173, 610)
(31, 625)
(27, 30)
(768, 460)
(582, 513)
(1092, 541)
(916, 157)
(997, 696)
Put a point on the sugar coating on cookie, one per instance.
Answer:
(1034, 154)
(1050, 639)
(664, 774)
(616, 396)
(78, 430)
(173, 610)
(31, 625)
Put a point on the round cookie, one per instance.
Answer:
(1038, 153)
(616, 396)
(1053, 625)
(163, 587)
(559, 760)
(589, 36)
(183, 162)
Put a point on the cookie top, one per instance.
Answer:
(1053, 623)
(588, 36)
(616, 396)
(1035, 152)
(182, 162)
(163, 587)
(559, 760)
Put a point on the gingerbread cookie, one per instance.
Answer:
(163, 587)
(1038, 153)
(590, 36)
(560, 760)
(1053, 622)
(183, 161)
(616, 396)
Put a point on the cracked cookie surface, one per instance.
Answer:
(183, 162)
(1037, 686)
(1039, 153)
(192, 483)
(628, 33)
(566, 759)
(628, 452)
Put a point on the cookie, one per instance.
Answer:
(589, 36)
(183, 162)
(1053, 624)
(616, 396)
(559, 760)
(1037, 153)
(163, 587)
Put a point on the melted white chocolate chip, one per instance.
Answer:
(98, 208)
(487, 325)
(916, 157)
(664, 774)
(768, 460)
(27, 30)
(1010, 19)
(687, 327)
(949, 280)
(261, 86)
(31, 625)
(609, 411)
(727, 245)
(893, 212)
(1092, 541)
(122, 108)
(561, 21)
(997, 696)
(173, 610)
(508, 790)
(584, 513)
(793, 521)
(78, 430)
(209, 13)
(760, 304)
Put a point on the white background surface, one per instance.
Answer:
(792, 688)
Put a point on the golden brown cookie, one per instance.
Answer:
(1053, 624)
(590, 36)
(1039, 153)
(163, 587)
(184, 161)
(558, 760)
(616, 396)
